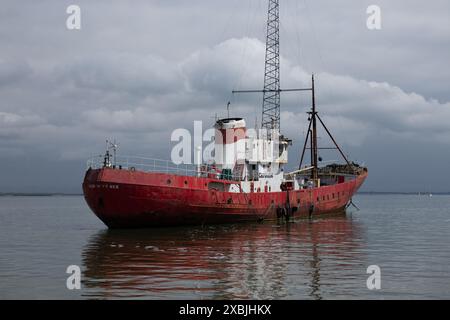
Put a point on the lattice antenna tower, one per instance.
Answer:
(271, 99)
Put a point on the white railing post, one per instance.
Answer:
(152, 165)
(199, 162)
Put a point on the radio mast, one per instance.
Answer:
(271, 99)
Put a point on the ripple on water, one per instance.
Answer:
(319, 259)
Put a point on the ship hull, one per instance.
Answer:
(135, 199)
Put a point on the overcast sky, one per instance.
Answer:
(139, 69)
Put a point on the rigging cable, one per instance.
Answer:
(324, 66)
(245, 57)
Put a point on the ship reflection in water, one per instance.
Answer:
(300, 260)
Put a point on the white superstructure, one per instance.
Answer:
(254, 158)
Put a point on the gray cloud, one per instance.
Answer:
(133, 74)
(138, 72)
(14, 71)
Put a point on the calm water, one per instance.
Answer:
(407, 236)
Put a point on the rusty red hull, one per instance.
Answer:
(134, 199)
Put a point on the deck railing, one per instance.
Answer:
(136, 163)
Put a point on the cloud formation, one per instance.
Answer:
(143, 94)
(60, 105)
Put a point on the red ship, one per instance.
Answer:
(245, 181)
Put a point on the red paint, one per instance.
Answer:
(231, 135)
(135, 199)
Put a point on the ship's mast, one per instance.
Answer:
(313, 114)
(312, 137)
(271, 100)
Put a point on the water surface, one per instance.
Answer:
(407, 236)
